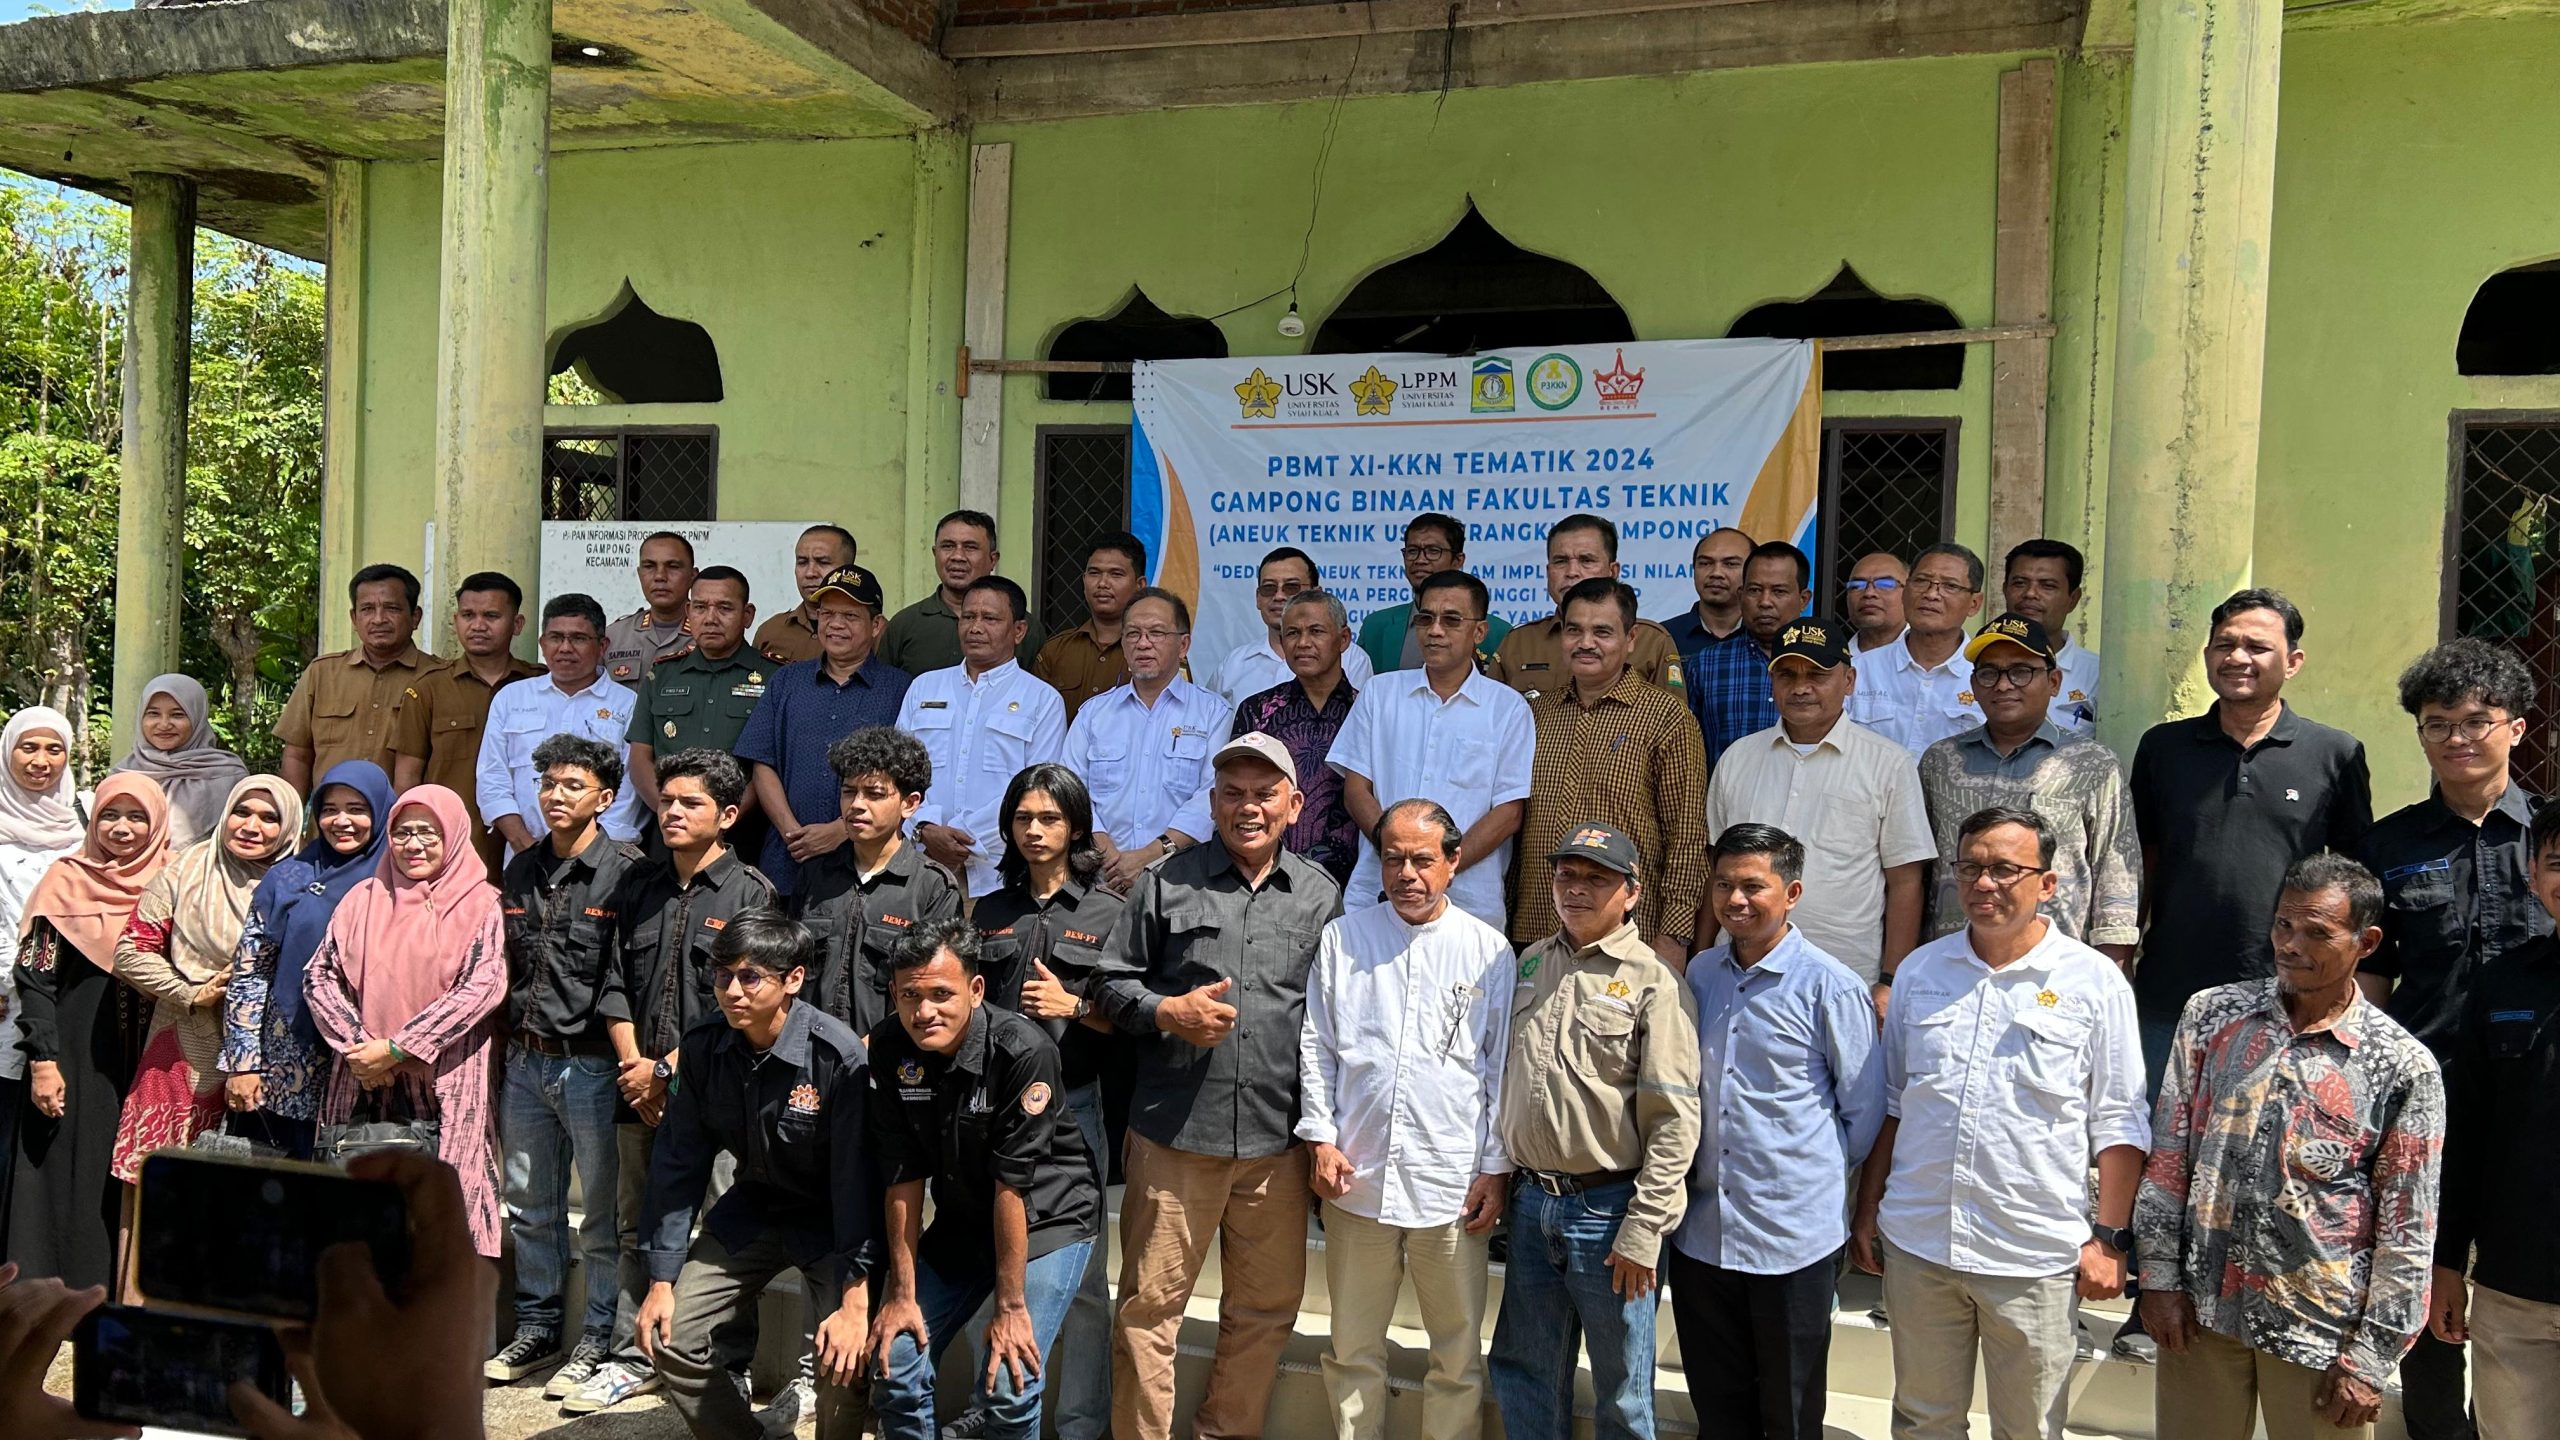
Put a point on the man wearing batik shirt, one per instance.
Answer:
(2287, 1216)
(1305, 713)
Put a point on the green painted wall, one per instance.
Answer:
(795, 257)
(2413, 163)
(1691, 199)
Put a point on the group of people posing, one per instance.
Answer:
(1704, 958)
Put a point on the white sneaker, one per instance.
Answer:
(791, 1404)
(613, 1383)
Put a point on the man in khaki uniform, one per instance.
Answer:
(435, 729)
(1599, 1114)
(657, 629)
(793, 635)
(342, 706)
(1086, 661)
(1531, 659)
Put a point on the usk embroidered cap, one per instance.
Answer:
(1256, 745)
(2018, 630)
(1601, 845)
(1819, 641)
(853, 583)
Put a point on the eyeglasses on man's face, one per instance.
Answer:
(1988, 677)
(2472, 727)
(1885, 583)
(2003, 874)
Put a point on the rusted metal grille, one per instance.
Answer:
(1886, 485)
(2505, 570)
(1082, 495)
(655, 473)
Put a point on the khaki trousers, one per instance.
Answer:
(1174, 1205)
(2219, 1390)
(1366, 1263)
(2515, 1347)
(2025, 1328)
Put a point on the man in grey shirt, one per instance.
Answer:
(1209, 965)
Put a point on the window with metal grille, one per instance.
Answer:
(1886, 485)
(655, 472)
(1080, 494)
(2502, 559)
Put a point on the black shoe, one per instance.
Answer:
(529, 1352)
(972, 1425)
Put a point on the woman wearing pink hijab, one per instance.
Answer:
(407, 988)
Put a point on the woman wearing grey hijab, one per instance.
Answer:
(174, 744)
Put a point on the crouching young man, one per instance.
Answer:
(782, 1086)
(969, 1101)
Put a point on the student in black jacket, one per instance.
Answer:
(784, 1088)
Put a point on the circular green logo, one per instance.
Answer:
(1554, 382)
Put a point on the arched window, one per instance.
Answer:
(1849, 306)
(1473, 291)
(636, 356)
(1139, 330)
(2513, 325)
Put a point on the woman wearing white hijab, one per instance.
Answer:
(40, 821)
(174, 744)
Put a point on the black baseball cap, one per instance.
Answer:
(2018, 630)
(1604, 845)
(853, 583)
(1819, 641)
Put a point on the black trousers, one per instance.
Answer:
(1757, 1348)
(2431, 1398)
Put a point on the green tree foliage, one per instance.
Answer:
(253, 468)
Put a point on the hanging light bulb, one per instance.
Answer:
(1291, 326)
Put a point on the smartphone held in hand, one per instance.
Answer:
(226, 1235)
(140, 1367)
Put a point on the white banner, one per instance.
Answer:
(1334, 453)
(602, 558)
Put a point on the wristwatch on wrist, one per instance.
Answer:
(664, 1071)
(1171, 845)
(1083, 1008)
(1884, 978)
(2118, 1238)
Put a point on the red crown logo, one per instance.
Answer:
(1618, 386)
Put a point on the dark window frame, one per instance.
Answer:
(1041, 436)
(621, 436)
(2537, 763)
(1829, 565)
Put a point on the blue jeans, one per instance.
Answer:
(1555, 1296)
(903, 1399)
(1081, 1372)
(554, 1112)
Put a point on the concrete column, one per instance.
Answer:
(2182, 458)
(342, 403)
(490, 340)
(160, 281)
(937, 283)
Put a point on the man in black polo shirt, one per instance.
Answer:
(2501, 1172)
(557, 1104)
(969, 1098)
(2225, 802)
(671, 914)
(784, 1088)
(860, 897)
(2456, 902)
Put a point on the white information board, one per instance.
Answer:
(602, 559)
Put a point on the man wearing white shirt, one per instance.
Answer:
(2013, 1063)
(1445, 732)
(1918, 690)
(575, 697)
(983, 721)
(1144, 748)
(1399, 1075)
(2040, 579)
(1258, 665)
(1853, 798)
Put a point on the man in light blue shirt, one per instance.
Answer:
(1791, 1094)
(574, 697)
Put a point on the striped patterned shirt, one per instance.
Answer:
(1633, 761)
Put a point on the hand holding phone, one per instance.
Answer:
(434, 1326)
(36, 1316)
(231, 1235)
